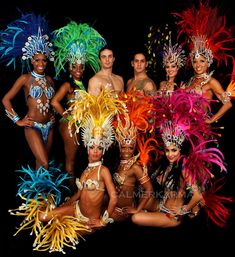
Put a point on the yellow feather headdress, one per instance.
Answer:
(94, 115)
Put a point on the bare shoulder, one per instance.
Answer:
(129, 81)
(214, 83)
(50, 80)
(23, 79)
(162, 84)
(64, 88)
(118, 77)
(150, 85)
(66, 85)
(104, 171)
(129, 84)
(137, 169)
(95, 79)
(150, 81)
(213, 80)
(98, 75)
(103, 167)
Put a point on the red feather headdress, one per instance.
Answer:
(208, 32)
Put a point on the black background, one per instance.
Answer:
(125, 27)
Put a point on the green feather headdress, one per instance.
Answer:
(77, 43)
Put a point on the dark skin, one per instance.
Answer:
(131, 176)
(70, 141)
(39, 148)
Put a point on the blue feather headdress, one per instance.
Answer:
(23, 38)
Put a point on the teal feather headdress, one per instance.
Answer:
(23, 38)
(77, 43)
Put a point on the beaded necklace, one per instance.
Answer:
(94, 164)
(198, 81)
(128, 163)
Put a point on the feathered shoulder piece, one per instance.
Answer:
(230, 90)
(77, 43)
(23, 38)
(208, 32)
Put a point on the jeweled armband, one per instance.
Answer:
(144, 179)
(183, 210)
(12, 115)
(225, 97)
(105, 219)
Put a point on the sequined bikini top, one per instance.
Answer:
(120, 180)
(36, 92)
(43, 86)
(91, 184)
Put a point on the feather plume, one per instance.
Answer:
(216, 205)
(77, 43)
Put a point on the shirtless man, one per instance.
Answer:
(105, 78)
(141, 81)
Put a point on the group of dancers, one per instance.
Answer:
(168, 161)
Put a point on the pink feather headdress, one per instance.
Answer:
(198, 165)
(182, 116)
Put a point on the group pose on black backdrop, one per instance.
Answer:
(168, 161)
